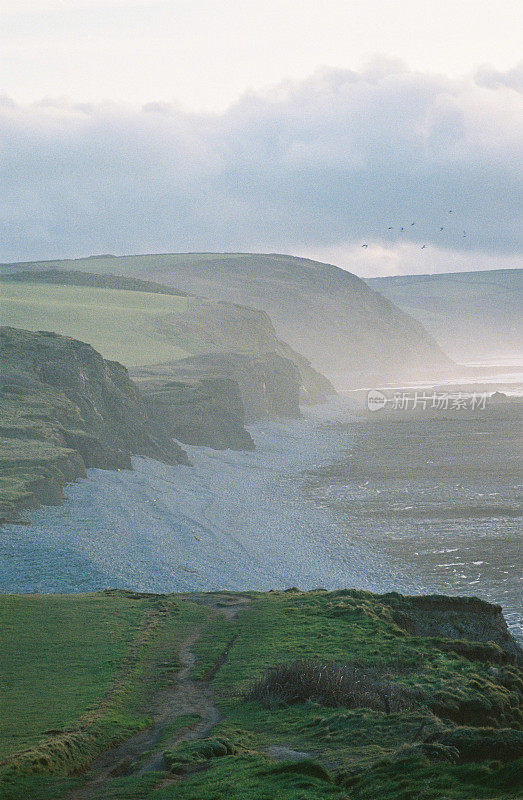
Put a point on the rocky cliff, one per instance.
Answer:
(269, 385)
(64, 408)
(204, 412)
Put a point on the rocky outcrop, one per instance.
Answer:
(269, 384)
(64, 408)
(208, 412)
(459, 619)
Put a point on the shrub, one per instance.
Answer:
(331, 684)
(482, 744)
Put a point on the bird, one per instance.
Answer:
(441, 228)
(365, 245)
(450, 212)
(390, 228)
(423, 246)
(402, 229)
(412, 223)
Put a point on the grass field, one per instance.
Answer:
(95, 663)
(122, 325)
(58, 656)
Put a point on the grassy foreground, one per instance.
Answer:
(359, 707)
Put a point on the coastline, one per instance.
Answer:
(230, 521)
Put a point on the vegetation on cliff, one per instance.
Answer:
(238, 697)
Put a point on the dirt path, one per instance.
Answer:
(184, 696)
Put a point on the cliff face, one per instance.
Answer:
(106, 419)
(207, 412)
(463, 619)
(269, 385)
(231, 332)
(64, 408)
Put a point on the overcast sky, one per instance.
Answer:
(302, 127)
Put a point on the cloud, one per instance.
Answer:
(320, 165)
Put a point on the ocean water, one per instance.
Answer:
(294, 512)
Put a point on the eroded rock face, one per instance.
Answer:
(269, 384)
(105, 419)
(208, 413)
(64, 408)
(464, 619)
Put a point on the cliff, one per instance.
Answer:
(64, 408)
(269, 385)
(206, 412)
(140, 323)
(344, 328)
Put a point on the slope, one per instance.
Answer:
(346, 330)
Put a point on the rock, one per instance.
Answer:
(269, 384)
(65, 408)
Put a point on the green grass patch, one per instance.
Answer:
(306, 750)
(79, 673)
(58, 656)
(123, 325)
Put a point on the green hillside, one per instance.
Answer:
(140, 323)
(472, 315)
(256, 696)
(123, 325)
(345, 329)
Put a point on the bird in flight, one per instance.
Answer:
(402, 229)
(390, 228)
(441, 228)
(365, 245)
(412, 223)
(423, 247)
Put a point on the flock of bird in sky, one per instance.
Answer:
(442, 228)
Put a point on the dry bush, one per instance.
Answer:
(350, 685)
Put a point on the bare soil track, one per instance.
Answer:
(183, 696)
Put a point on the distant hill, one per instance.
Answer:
(142, 324)
(472, 315)
(347, 330)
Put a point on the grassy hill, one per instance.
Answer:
(347, 330)
(123, 325)
(140, 323)
(472, 315)
(290, 695)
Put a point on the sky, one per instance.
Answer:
(302, 127)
